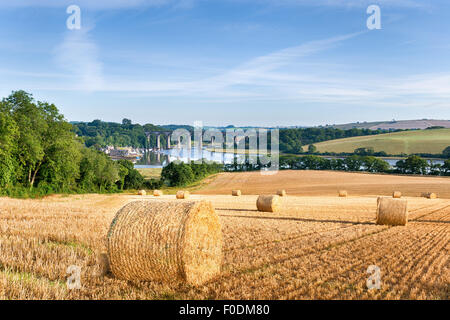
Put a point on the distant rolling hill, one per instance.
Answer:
(401, 124)
(419, 141)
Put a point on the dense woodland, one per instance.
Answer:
(100, 134)
(40, 154)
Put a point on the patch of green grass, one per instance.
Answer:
(407, 142)
(192, 187)
(28, 277)
(72, 244)
(150, 173)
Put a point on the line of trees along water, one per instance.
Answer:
(411, 165)
(126, 134)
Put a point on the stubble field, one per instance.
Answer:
(327, 183)
(318, 247)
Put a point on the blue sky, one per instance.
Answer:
(242, 62)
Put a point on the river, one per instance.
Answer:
(162, 158)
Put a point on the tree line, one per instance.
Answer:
(411, 165)
(177, 173)
(126, 134)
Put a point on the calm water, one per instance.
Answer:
(164, 157)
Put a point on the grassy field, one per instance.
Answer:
(150, 173)
(421, 141)
(402, 124)
(317, 247)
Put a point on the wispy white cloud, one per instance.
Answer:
(260, 72)
(276, 76)
(78, 56)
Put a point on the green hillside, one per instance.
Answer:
(409, 142)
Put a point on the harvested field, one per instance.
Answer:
(327, 183)
(314, 248)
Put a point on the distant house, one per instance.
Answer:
(128, 153)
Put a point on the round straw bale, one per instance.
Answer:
(281, 193)
(429, 195)
(236, 193)
(343, 193)
(268, 203)
(396, 194)
(157, 193)
(166, 241)
(142, 192)
(392, 212)
(183, 194)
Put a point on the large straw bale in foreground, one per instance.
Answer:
(236, 193)
(396, 194)
(166, 240)
(343, 193)
(281, 193)
(268, 203)
(392, 212)
(157, 193)
(183, 194)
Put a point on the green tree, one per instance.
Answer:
(412, 165)
(311, 162)
(48, 148)
(8, 147)
(312, 149)
(40, 154)
(177, 174)
(364, 151)
(435, 169)
(126, 122)
(353, 163)
(31, 121)
(373, 164)
(445, 169)
(62, 152)
(446, 152)
(97, 171)
(123, 172)
(133, 179)
(337, 164)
